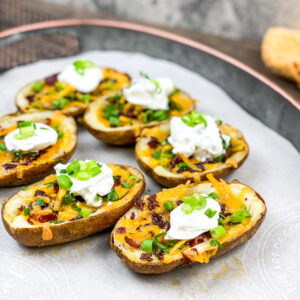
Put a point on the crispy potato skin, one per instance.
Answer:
(73, 230)
(115, 136)
(169, 181)
(37, 171)
(160, 267)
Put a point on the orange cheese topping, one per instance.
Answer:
(66, 212)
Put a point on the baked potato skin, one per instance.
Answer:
(37, 171)
(170, 182)
(73, 230)
(159, 268)
(119, 135)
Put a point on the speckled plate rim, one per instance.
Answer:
(155, 32)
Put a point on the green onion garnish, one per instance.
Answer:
(132, 178)
(68, 198)
(25, 188)
(218, 232)
(3, 147)
(26, 211)
(168, 205)
(82, 65)
(26, 130)
(239, 216)
(40, 202)
(147, 245)
(37, 86)
(213, 195)
(194, 118)
(210, 213)
(60, 103)
(64, 182)
(215, 243)
(156, 155)
(85, 212)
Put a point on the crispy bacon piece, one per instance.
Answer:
(117, 181)
(200, 166)
(152, 202)
(199, 239)
(146, 256)
(153, 143)
(158, 220)
(121, 230)
(47, 218)
(179, 202)
(30, 98)
(50, 80)
(40, 193)
(176, 160)
(131, 242)
(139, 202)
(132, 216)
(56, 186)
(21, 208)
(9, 166)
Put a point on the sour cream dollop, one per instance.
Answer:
(189, 226)
(200, 141)
(44, 136)
(100, 184)
(152, 94)
(84, 83)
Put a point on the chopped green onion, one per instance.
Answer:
(194, 118)
(25, 188)
(158, 88)
(165, 142)
(112, 195)
(37, 86)
(40, 202)
(59, 131)
(175, 105)
(82, 176)
(239, 216)
(85, 212)
(133, 178)
(26, 211)
(75, 207)
(114, 121)
(218, 232)
(210, 213)
(68, 198)
(175, 92)
(82, 65)
(58, 87)
(3, 147)
(64, 182)
(182, 166)
(147, 245)
(49, 184)
(158, 244)
(215, 243)
(156, 155)
(85, 98)
(26, 130)
(73, 168)
(213, 195)
(220, 158)
(63, 171)
(60, 103)
(186, 208)
(168, 205)
(171, 243)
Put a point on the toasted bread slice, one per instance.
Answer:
(280, 52)
(28, 100)
(44, 227)
(165, 171)
(149, 218)
(18, 169)
(130, 127)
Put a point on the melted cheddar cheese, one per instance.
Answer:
(23, 162)
(142, 226)
(55, 211)
(44, 99)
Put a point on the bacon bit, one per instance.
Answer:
(50, 80)
(152, 233)
(48, 121)
(47, 232)
(153, 143)
(47, 218)
(176, 160)
(131, 242)
(121, 230)
(160, 254)
(194, 249)
(152, 202)
(117, 181)
(139, 202)
(159, 221)
(199, 239)
(30, 206)
(55, 186)
(21, 208)
(132, 216)
(9, 166)
(30, 98)
(40, 193)
(200, 166)
(186, 261)
(179, 202)
(146, 256)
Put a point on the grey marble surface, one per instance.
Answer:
(237, 19)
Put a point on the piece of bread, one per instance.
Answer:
(138, 224)
(169, 176)
(280, 52)
(18, 171)
(123, 135)
(112, 80)
(29, 232)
